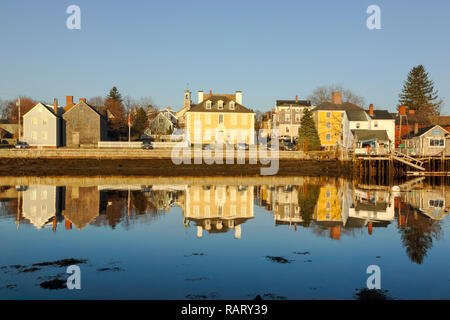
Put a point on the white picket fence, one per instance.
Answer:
(120, 144)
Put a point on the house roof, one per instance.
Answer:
(380, 115)
(422, 131)
(81, 103)
(201, 107)
(299, 103)
(335, 106)
(440, 120)
(356, 115)
(366, 134)
(50, 108)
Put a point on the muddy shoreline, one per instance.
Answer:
(164, 167)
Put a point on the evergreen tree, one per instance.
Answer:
(307, 200)
(418, 92)
(308, 137)
(114, 95)
(140, 122)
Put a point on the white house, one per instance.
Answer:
(42, 126)
(353, 120)
(382, 120)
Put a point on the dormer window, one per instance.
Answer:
(208, 105)
(220, 105)
(232, 105)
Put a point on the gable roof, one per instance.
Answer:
(440, 120)
(299, 103)
(201, 107)
(334, 106)
(380, 115)
(49, 108)
(422, 131)
(366, 134)
(356, 115)
(80, 104)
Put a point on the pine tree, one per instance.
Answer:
(308, 137)
(418, 92)
(114, 95)
(140, 122)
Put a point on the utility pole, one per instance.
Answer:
(129, 130)
(18, 105)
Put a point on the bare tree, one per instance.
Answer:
(96, 101)
(323, 94)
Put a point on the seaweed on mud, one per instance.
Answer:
(302, 253)
(55, 284)
(273, 296)
(201, 296)
(60, 263)
(196, 279)
(114, 269)
(278, 259)
(200, 254)
(372, 294)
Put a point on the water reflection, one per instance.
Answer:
(331, 208)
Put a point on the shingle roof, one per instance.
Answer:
(380, 115)
(334, 106)
(365, 134)
(201, 107)
(302, 103)
(356, 115)
(440, 120)
(421, 131)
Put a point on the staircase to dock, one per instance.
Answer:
(410, 161)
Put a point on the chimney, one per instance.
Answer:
(335, 233)
(371, 110)
(55, 106)
(210, 92)
(296, 98)
(69, 101)
(200, 96)
(238, 97)
(336, 98)
(402, 110)
(416, 128)
(83, 99)
(411, 111)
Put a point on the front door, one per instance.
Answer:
(76, 138)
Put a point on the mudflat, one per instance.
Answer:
(163, 167)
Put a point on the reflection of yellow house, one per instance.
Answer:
(329, 118)
(219, 118)
(218, 208)
(328, 206)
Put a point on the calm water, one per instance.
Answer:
(209, 240)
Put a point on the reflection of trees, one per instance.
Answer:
(139, 202)
(307, 200)
(417, 234)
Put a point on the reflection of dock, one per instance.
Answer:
(119, 187)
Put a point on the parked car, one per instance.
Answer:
(288, 146)
(22, 145)
(147, 145)
(242, 146)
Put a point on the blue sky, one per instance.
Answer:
(268, 49)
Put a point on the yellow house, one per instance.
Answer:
(218, 208)
(329, 118)
(219, 118)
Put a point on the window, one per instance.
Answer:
(207, 211)
(44, 122)
(244, 119)
(375, 124)
(207, 195)
(220, 118)
(328, 114)
(220, 105)
(287, 129)
(328, 137)
(297, 118)
(208, 119)
(233, 119)
(34, 121)
(436, 142)
(328, 125)
(232, 105)
(287, 117)
(208, 105)
(328, 194)
(358, 125)
(219, 211)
